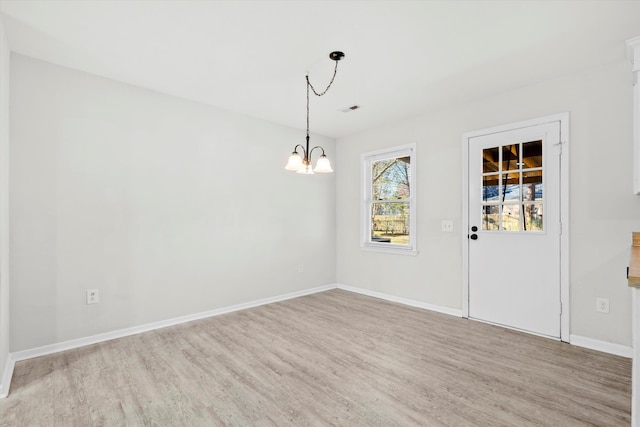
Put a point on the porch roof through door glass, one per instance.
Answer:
(512, 187)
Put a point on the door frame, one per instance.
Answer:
(563, 119)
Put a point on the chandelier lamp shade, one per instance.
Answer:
(301, 162)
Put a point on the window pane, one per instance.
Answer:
(390, 222)
(533, 217)
(511, 186)
(532, 185)
(490, 188)
(390, 178)
(490, 159)
(511, 217)
(532, 154)
(490, 217)
(510, 157)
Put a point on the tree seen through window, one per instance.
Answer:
(390, 180)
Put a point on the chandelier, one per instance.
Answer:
(301, 162)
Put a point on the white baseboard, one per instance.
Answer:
(7, 374)
(400, 300)
(604, 346)
(107, 336)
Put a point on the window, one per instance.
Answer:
(389, 205)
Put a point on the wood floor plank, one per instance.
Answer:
(333, 358)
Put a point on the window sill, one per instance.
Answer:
(385, 248)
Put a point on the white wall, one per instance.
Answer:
(4, 209)
(168, 207)
(604, 211)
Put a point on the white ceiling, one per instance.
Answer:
(250, 57)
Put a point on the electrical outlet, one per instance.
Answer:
(93, 297)
(602, 305)
(300, 268)
(447, 225)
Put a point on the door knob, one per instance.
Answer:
(474, 228)
(474, 237)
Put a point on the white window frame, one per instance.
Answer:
(408, 150)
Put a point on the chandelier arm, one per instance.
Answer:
(295, 149)
(317, 146)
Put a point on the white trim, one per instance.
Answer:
(107, 336)
(604, 346)
(365, 200)
(464, 235)
(7, 374)
(565, 221)
(635, 368)
(5, 301)
(380, 247)
(633, 55)
(563, 118)
(405, 301)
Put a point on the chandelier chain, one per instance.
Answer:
(309, 85)
(335, 70)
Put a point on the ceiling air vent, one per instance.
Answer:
(352, 108)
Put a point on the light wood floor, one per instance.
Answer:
(334, 358)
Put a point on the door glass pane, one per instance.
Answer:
(390, 222)
(532, 154)
(511, 217)
(510, 157)
(532, 185)
(490, 160)
(490, 217)
(490, 188)
(511, 186)
(533, 217)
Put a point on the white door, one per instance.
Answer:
(514, 228)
